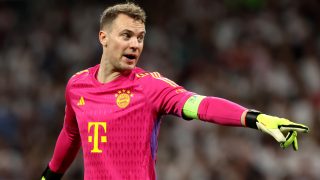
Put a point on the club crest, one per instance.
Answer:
(123, 98)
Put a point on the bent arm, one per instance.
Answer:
(66, 149)
(68, 142)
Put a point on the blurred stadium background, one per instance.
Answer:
(263, 54)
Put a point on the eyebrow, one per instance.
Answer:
(131, 32)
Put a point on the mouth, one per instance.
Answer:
(130, 57)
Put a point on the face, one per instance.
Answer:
(122, 43)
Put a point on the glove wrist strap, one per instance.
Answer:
(251, 119)
(50, 175)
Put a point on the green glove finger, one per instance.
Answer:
(295, 143)
(290, 126)
(290, 139)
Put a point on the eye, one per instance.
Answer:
(141, 38)
(126, 36)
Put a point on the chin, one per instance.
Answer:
(127, 68)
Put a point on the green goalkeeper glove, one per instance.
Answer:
(50, 175)
(276, 126)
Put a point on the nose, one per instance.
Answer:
(134, 44)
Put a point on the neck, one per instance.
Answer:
(107, 74)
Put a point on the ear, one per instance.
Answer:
(103, 37)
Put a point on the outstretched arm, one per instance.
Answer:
(224, 112)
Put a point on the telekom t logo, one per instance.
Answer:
(96, 136)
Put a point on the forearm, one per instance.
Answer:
(221, 111)
(66, 149)
(215, 110)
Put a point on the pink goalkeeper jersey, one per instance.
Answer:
(117, 123)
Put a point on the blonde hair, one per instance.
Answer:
(130, 9)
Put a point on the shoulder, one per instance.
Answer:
(78, 76)
(153, 79)
(141, 74)
(82, 77)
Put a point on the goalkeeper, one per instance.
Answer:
(114, 109)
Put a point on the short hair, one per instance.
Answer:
(130, 9)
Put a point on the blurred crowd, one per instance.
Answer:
(262, 54)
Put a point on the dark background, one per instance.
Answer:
(262, 54)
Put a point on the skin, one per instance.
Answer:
(243, 118)
(123, 37)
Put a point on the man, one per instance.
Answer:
(113, 109)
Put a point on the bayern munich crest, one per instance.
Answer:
(123, 98)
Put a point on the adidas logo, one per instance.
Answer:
(81, 101)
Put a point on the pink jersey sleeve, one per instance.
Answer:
(68, 143)
(166, 96)
(220, 111)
